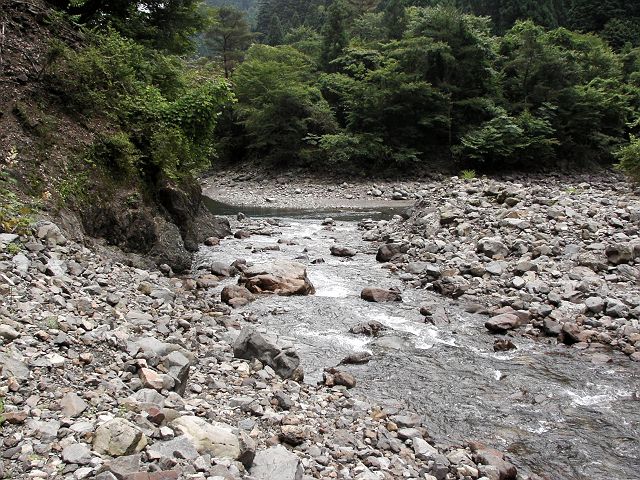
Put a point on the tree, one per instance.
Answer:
(167, 25)
(276, 32)
(334, 33)
(394, 19)
(228, 37)
(279, 105)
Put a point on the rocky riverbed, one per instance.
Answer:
(111, 371)
(114, 372)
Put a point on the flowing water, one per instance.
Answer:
(556, 412)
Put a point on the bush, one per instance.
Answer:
(166, 109)
(629, 158)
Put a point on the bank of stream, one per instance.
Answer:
(559, 412)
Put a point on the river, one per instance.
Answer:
(559, 412)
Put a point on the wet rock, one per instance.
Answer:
(340, 251)
(119, 437)
(252, 345)
(357, 358)
(236, 296)
(372, 294)
(276, 463)
(281, 278)
(503, 345)
(333, 376)
(373, 328)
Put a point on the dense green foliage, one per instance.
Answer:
(226, 37)
(361, 84)
(372, 84)
(166, 110)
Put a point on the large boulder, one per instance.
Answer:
(250, 344)
(185, 205)
(215, 438)
(118, 437)
(281, 278)
(276, 463)
(236, 295)
(371, 294)
(503, 322)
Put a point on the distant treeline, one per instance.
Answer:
(367, 84)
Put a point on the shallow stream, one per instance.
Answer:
(557, 411)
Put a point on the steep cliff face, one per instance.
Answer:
(43, 166)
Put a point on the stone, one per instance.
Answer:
(503, 322)
(594, 304)
(8, 333)
(371, 328)
(182, 446)
(236, 295)
(252, 345)
(281, 278)
(339, 251)
(72, 405)
(489, 456)
(372, 294)
(333, 376)
(619, 253)
(388, 251)
(51, 233)
(214, 438)
(492, 247)
(423, 450)
(276, 463)
(77, 453)
(119, 437)
(357, 358)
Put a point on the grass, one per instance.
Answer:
(468, 174)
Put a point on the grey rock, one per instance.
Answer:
(77, 453)
(119, 437)
(250, 344)
(276, 463)
(72, 405)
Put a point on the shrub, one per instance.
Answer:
(629, 159)
(166, 110)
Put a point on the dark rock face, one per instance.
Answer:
(251, 344)
(166, 229)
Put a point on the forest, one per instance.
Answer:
(362, 85)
